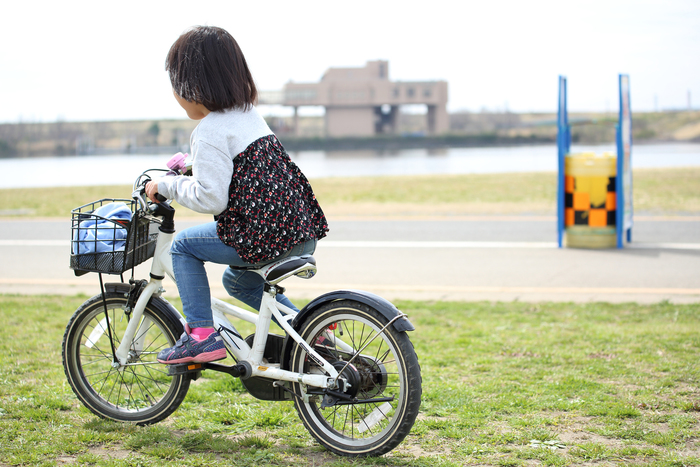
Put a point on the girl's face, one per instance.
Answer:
(194, 111)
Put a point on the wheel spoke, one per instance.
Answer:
(383, 357)
(103, 380)
(145, 392)
(97, 359)
(345, 422)
(99, 350)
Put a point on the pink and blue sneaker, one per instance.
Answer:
(188, 349)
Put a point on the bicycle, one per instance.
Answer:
(345, 361)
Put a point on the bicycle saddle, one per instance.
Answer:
(277, 271)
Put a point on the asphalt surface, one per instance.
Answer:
(497, 258)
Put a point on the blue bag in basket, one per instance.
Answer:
(96, 235)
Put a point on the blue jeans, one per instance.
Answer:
(193, 247)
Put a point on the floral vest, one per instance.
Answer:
(271, 205)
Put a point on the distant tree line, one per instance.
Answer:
(85, 138)
(29, 139)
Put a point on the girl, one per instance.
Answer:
(263, 205)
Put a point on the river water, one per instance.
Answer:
(122, 170)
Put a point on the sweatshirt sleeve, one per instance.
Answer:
(206, 191)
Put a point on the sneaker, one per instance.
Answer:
(188, 349)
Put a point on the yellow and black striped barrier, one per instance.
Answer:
(590, 200)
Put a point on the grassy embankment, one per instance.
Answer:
(505, 384)
(656, 191)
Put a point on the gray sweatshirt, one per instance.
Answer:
(215, 142)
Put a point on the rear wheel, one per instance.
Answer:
(141, 391)
(381, 400)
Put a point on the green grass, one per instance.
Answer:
(655, 191)
(504, 384)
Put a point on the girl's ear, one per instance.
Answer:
(194, 110)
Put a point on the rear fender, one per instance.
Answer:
(385, 307)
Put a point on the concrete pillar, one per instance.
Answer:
(297, 131)
(438, 120)
(378, 121)
(394, 120)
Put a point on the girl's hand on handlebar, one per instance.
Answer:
(152, 191)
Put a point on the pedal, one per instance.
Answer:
(193, 369)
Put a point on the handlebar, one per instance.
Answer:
(139, 191)
(179, 164)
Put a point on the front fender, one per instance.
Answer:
(158, 303)
(382, 305)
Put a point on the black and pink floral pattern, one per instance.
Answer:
(271, 204)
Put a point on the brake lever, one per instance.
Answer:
(138, 195)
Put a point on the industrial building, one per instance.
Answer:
(362, 102)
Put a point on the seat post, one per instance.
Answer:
(273, 289)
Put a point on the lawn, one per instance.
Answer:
(656, 191)
(505, 384)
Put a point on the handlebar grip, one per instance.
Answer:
(161, 198)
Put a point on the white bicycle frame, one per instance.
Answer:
(162, 264)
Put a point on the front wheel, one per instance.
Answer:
(141, 391)
(381, 380)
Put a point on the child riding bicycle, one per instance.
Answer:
(264, 206)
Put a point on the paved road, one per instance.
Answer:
(441, 258)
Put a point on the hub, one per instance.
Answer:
(373, 376)
(350, 375)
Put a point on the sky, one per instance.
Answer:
(85, 61)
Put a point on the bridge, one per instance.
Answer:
(363, 101)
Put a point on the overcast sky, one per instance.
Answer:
(75, 60)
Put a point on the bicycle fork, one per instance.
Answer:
(128, 343)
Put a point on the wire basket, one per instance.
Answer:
(108, 236)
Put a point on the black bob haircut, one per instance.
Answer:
(206, 66)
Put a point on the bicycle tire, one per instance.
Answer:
(140, 392)
(387, 368)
